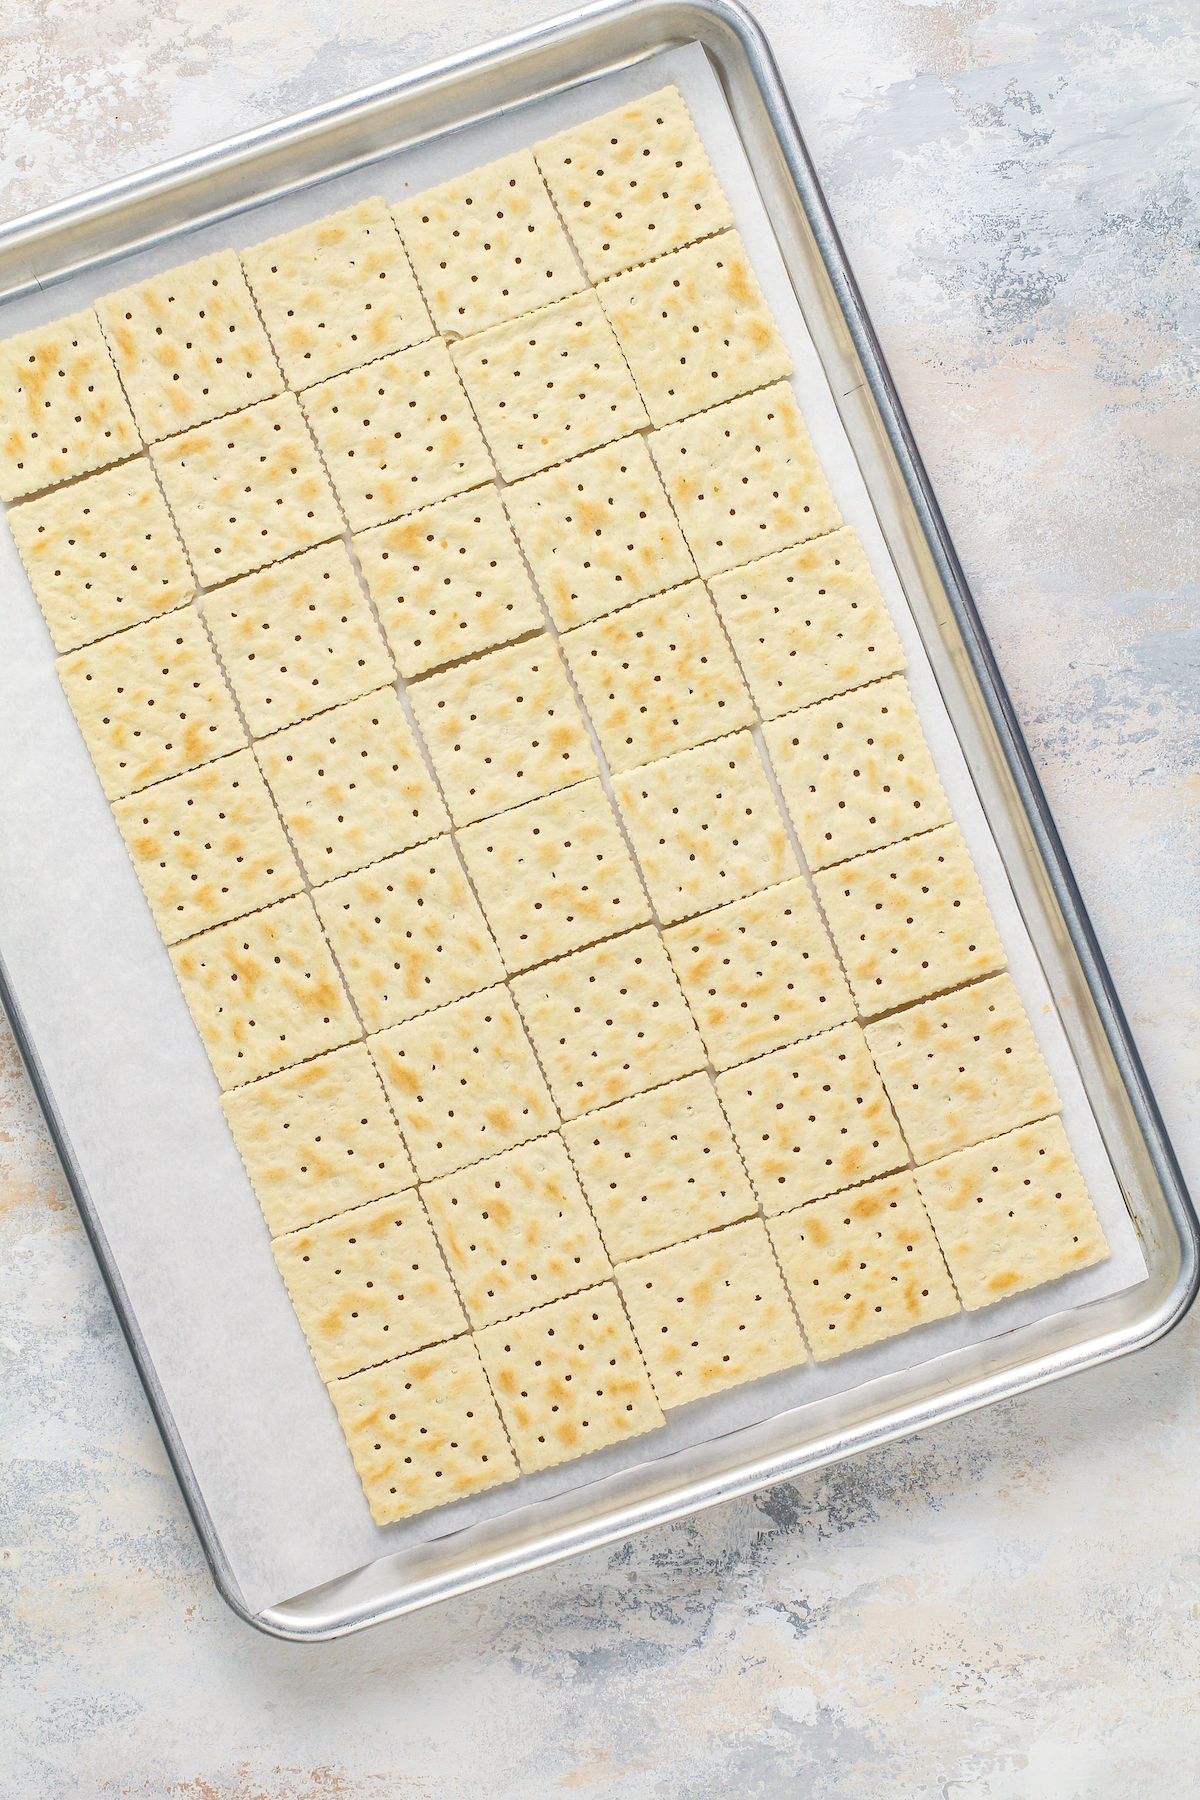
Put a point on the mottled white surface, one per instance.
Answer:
(1010, 1606)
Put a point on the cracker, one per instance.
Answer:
(189, 345)
(599, 532)
(658, 676)
(1012, 1213)
(759, 973)
(297, 638)
(318, 1139)
(503, 729)
(963, 1067)
(423, 1430)
(659, 1167)
(744, 479)
(247, 490)
(397, 435)
(807, 623)
(150, 702)
(863, 1266)
(337, 293)
(710, 1313)
(408, 934)
(910, 920)
(569, 1378)
(634, 183)
(352, 786)
(695, 328)
(369, 1285)
(516, 1231)
(549, 386)
(463, 1082)
(207, 846)
(101, 554)
(553, 875)
(856, 772)
(487, 245)
(705, 827)
(62, 407)
(608, 1022)
(448, 581)
(264, 992)
(812, 1118)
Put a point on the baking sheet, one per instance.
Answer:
(135, 1089)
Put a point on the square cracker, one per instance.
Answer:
(856, 772)
(608, 1022)
(660, 1167)
(695, 328)
(633, 183)
(264, 992)
(862, 1266)
(516, 1231)
(658, 676)
(599, 532)
(710, 1313)
(247, 490)
(744, 479)
(807, 623)
(101, 554)
(318, 1139)
(812, 1118)
(963, 1067)
(569, 1378)
(503, 729)
(368, 1285)
(150, 702)
(337, 293)
(705, 826)
(207, 846)
(352, 786)
(910, 920)
(61, 404)
(297, 638)
(397, 435)
(448, 581)
(423, 1430)
(463, 1082)
(408, 934)
(1012, 1213)
(549, 385)
(487, 245)
(189, 345)
(553, 875)
(759, 973)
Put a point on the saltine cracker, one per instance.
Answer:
(337, 293)
(658, 676)
(710, 1313)
(150, 702)
(463, 1082)
(862, 1266)
(812, 1118)
(101, 554)
(318, 1139)
(352, 786)
(448, 581)
(553, 875)
(608, 1022)
(62, 406)
(660, 1167)
(569, 1378)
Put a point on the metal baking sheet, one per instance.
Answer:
(118, 1065)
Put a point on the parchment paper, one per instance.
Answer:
(135, 1089)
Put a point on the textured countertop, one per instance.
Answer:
(1008, 1606)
